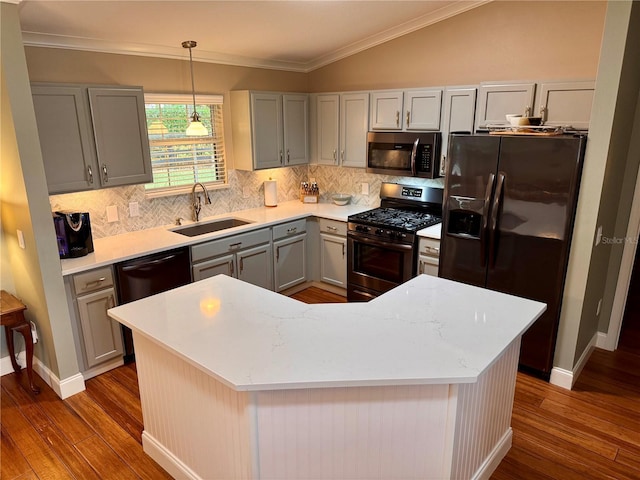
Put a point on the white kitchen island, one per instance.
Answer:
(238, 382)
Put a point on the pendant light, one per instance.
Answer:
(195, 128)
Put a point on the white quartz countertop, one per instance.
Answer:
(434, 231)
(117, 248)
(426, 331)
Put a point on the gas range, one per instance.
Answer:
(382, 242)
(403, 210)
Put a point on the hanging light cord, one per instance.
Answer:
(190, 44)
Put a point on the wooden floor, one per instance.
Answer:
(592, 432)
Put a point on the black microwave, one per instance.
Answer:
(403, 153)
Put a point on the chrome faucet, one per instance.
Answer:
(196, 203)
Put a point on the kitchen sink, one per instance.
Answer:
(208, 227)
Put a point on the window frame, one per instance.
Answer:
(187, 99)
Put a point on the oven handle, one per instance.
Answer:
(392, 246)
(414, 153)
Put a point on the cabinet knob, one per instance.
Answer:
(408, 117)
(527, 111)
(105, 175)
(543, 114)
(288, 156)
(397, 118)
(280, 157)
(90, 174)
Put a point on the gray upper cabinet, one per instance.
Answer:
(269, 129)
(405, 110)
(495, 100)
(458, 113)
(120, 130)
(327, 128)
(92, 137)
(565, 104)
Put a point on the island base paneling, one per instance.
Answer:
(197, 427)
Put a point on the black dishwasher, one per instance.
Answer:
(148, 275)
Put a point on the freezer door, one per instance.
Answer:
(536, 193)
(470, 181)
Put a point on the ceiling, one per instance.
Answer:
(286, 35)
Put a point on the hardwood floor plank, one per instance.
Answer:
(631, 460)
(121, 404)
(98, 454)
(116, 437)
(127, 378)
(71, 426)
(38, 454)
(317, 295)
(12, 462)
(27, 476)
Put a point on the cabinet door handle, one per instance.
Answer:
(232, 269)
(105, 175)
(90, 174)
(435, 250)
(543, 114)
(527, 111)
(235, 246)
(343, 250)
(421, 268)
(241, 265)
(277, 253)
(111, 302)
(332, 228)
(292, 230)
(280, 157)
(408, 117)
(342, 155)
(397, 118)
(335, 156)
(288, 156)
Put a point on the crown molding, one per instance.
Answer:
(44, 40)
(398, 31)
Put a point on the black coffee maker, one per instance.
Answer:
(73, 232)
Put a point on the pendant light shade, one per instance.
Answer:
(196, 127)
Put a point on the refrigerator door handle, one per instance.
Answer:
(493, 229)
(414, 152)
(485, 220)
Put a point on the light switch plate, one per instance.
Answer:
(21, 239)
(134, 209)
(365, 188)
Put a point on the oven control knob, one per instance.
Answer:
(379, 231)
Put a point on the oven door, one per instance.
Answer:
(376, 266)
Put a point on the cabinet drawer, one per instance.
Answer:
(94, 280)
(229, 244)
(429, 247)
(290, 228)
(334, 227)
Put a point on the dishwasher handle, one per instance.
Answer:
(148, 264)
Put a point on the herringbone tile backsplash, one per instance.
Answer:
(245, 191)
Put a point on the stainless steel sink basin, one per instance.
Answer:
(208, 227)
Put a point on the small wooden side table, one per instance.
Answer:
(12, 316)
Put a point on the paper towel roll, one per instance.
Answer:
(270, 193)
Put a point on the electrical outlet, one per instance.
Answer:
(112, 213)
(364, 188)
(21, 239)
(34, 332)
(134, 209)
(246, 192)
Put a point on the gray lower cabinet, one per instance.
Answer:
(290, 254)
(333, 252)
(100, 336)
(428, 256)
(92, 137)
(247, 256)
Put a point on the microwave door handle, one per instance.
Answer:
(485, 220)
(414, 152)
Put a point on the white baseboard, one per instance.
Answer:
(63, 388)
(495, 457)
(601, 341)
(166, 459)
(566, 378)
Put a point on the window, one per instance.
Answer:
(179, 161)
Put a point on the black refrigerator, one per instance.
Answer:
(508, 214)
